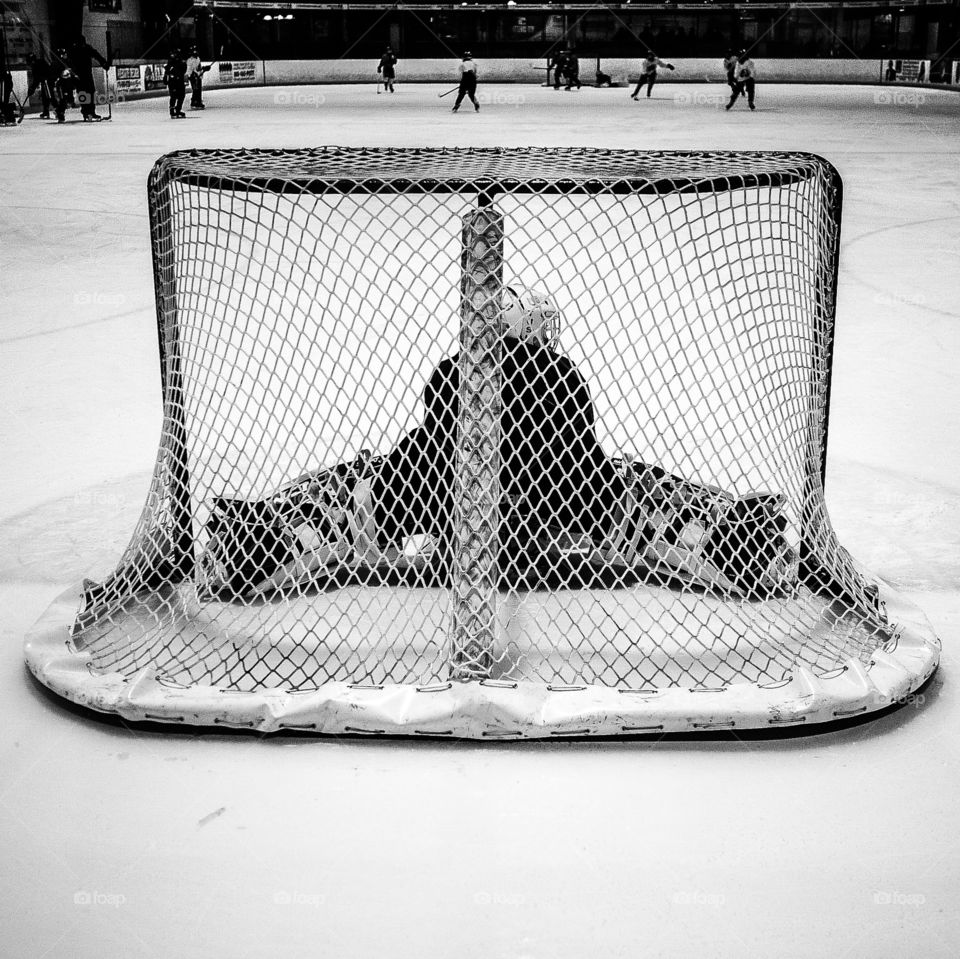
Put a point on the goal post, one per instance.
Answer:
(477, 465)
(386, 501)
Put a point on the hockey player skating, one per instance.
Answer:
(386, 69)
(565, 504)
(572, 69)
(468, 82)
(81, 57)
(746, 80)
(64, 84)
(41, 81)
(174, 76)
(8, 115)
(557, 63)
(195, 72)
(648, 73)
(730, 69)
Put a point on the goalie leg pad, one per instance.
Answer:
(248, 541)
(702, 535)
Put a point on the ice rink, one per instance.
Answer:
(120, 843)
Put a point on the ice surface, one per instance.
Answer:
(345, 848)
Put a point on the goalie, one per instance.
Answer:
(564, 502)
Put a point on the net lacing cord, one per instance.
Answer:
(277, 307)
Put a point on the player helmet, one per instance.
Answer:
(530, 315)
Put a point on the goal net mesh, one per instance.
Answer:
(498, 416)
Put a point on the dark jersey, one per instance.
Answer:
(553, 471)
(387, 63)
(176, 70)
(40, 70)
(81, 59)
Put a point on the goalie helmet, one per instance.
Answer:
(530, 315)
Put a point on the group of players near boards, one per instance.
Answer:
(67, 77)
(740, 70)
(66, 80)
(176, 73)
(568, 511)
(741, 74)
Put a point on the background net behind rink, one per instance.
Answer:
(309, 323)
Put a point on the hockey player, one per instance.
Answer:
(81, 59)
(41, 80)
(746, 80)
(64, 84)
(387, 69)
(572, 70)
(174, 74)
(8, 115)
(558, 63)
(730, 68)
(648, 73)
(468, 82)
(563, 500)
(195, 72)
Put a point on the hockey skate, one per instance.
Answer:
(702, 536)
(320, 525)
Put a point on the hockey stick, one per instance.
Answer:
(451, 90)
(106, 78)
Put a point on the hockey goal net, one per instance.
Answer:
(490, 443)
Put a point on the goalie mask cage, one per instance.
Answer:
(306, 297)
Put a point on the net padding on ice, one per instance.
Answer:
(490, 424)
